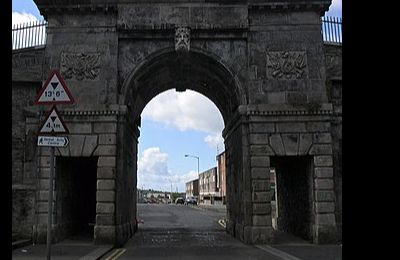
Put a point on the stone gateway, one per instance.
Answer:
(263, 63)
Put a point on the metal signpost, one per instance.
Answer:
(53, 92)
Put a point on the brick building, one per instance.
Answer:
(221, 173)
(192, 188)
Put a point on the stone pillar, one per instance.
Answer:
(104, 231)
(324, 202)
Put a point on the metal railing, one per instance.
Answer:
(29, 34)
(33, 34)
(331, 28)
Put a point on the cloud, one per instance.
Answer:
(22, 17)
(185, 111)
(335, 9)
(153, 172)
(214, 141)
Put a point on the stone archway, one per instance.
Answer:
(116, 57)
(200, 72)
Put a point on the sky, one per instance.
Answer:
(173, 124)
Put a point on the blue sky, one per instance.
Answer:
(173, 124)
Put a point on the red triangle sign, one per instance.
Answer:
(53, 124)
(54, 91)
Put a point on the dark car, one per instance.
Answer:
(191, 201)
(179, 200)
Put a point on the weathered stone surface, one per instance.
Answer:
(106, 161)
(323, 172)
(322, 138)
(295, 127)
(105, 196)
(325, 219)
(305, 143)
(273, 100)
(324, 195)
(323, 160)
(89, 145)
(258, 235)
(100, 128)
(324, 207)
(261, 150)
(107, 139)
(104, 234)
(262, 196)
(260, 161)
(260, 185)
(80, 128)
(320, 149)
(323, 184)
(291, 143)
(105, 184)
(261, 208)
(260, 173)
(258, 139)
(106, 150)
(106, 172)
(105, 208)
(318, 126)
(262, 128)
(105, 220)
(277, 144)
(262, 220)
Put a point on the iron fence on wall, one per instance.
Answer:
(331, 28)
(31, 34)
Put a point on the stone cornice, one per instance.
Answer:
(95, 110)
(284, 110)
(319, 5)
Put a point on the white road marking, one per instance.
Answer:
(277, 252)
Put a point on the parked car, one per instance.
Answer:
(191, 201)
(179, 200)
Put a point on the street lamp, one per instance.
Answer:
(198, 161)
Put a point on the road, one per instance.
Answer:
(184, 232)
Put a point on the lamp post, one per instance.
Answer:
(198, 161)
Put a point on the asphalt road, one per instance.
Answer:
(184, 232)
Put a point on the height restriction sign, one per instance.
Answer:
(53, 124)
(54, 91)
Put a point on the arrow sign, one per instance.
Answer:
(53, 124)
(53, 141)
(54, 91)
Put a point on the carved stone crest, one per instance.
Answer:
(287, 65)
(182, 39)
(80, 66)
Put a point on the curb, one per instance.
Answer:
(97, 253)
(21, 243)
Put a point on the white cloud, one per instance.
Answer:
(336, 4)
(153, 172)
(335, 9)
(22, 17)
(214, 141)
(187, 110)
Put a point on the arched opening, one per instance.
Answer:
(189, 71)
(178, 146)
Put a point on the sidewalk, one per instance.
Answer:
(289, 247)
(216, 208)
(66, 249)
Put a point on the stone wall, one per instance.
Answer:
(262, 63)
(24, 160)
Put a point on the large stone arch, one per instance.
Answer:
(205, 73)
(234, 59)
(193, 70)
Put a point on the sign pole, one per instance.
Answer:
(50, 207)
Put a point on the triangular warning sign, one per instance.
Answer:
(54, 91)
(53, 124)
